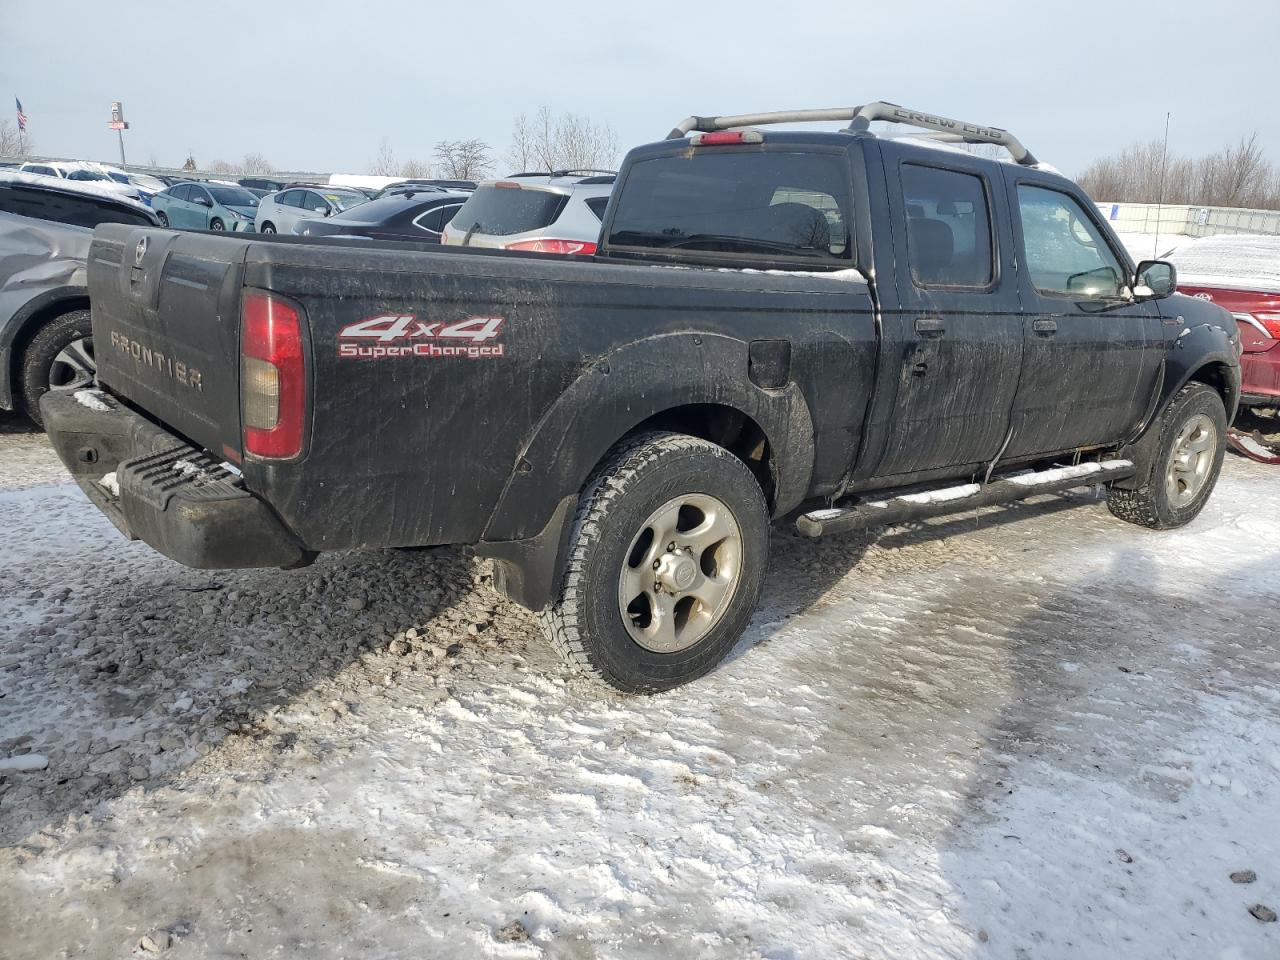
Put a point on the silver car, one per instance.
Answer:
(558, 212)
(281, 212)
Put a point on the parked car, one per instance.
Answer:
(146, 185)
(79, 172)
(206, 206)
(834, 326)
(280, 212)
(558, 212)
(46, 342)
(265, 184)
(1242, 275)
(417, 215)
(401, 186)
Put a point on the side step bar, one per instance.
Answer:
(933, 503)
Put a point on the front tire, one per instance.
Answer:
(666, 560)
(59, 357)
(1180, 462)
(217, 225)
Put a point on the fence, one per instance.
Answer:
(1189, 221)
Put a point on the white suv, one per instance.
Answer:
(557, 212)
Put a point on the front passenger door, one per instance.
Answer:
(1093, 352)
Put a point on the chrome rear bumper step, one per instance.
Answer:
(920, 505)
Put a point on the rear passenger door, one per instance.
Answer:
(954, 329)
(179, 208)
(1093, 353)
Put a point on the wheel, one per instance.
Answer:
(216, 224)
(59, 357)
(162, 217)
(1179, 462)
(268, 227)
(666, 558)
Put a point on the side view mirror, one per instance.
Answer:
(203, 201)
(323, 211)
(1155, 279)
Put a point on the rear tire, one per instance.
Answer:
(633, 613)
(59, 357)
(163, 218)
(268, 227)
(1180, 465)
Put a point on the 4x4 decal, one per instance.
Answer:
(405, 335)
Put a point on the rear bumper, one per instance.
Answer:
(159, 489)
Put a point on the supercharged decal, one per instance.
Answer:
(404, 335)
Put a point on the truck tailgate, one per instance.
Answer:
(166, 327)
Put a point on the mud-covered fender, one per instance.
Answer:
(614, 394)
(1204, 349)
(1204, 343)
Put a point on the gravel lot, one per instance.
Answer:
(1032, 732)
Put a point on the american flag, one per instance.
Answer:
(22, 117)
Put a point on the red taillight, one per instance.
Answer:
(582, 248)
(273, 377)
(1271, 321)
(722, 137)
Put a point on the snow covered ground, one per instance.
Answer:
(1032, 732)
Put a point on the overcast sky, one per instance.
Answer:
(317, 85)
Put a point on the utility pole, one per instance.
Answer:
(1164, 162)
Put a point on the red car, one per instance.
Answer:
(1242, 274)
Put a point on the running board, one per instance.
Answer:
(933, 503)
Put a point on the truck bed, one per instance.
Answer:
(478, 395)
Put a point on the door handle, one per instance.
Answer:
(1045, 327)
(930, 325)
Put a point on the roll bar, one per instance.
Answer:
(860, 119)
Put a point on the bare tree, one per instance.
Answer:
(463, 159)
(13, 143)
(415, 169)
(256, 163)
(384, 164)
(1236, 176)
(222, 166)
(569, 141)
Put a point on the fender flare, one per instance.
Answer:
(1200, 347)
(528, 528)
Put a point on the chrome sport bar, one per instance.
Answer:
(860, 119)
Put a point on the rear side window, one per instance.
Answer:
(948, 227)
(502, 211)
(597, 205)
(290, 198)
(73, 211)
(728, 204)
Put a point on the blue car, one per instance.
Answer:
(206, 206)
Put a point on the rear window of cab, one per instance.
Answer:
(730, 203)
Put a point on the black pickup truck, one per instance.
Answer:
(839, 329)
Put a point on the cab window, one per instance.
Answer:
(1066, 253)
(948, 227)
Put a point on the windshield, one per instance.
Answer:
(501, 211)
(770, 203)
(233, 196)
(87, 175)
